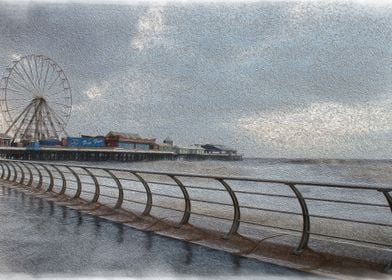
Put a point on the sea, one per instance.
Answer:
(345, 171)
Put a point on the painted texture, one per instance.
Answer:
(276, 79)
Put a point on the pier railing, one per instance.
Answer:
(348, 213)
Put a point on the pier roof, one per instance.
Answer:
(128, 137)
(218, 147)
(123, 135)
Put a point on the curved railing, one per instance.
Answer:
(355, 214)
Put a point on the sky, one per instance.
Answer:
(294, 79)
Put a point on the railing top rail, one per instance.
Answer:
(374, 187)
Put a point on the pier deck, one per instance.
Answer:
(103, 154)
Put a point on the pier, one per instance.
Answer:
(103, 154)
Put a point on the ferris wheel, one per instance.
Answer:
(35, 99)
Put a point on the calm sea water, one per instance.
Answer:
(337, 171)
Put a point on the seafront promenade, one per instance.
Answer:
(40, 239)
(334, 228)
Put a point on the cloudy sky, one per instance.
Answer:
(271, 78)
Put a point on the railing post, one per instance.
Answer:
(2, 170)
(64, 185)
(306, 222)
(386, 193)
(78, 182)
(22, 178)
(187, 210)
(51, 180)
(30, 174)
(120, 189)
(237, 212)
(96, 183)
(387, 196)
(15, 172)
(39, 174)
(148, 207)
(9, 172)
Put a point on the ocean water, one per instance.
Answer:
(319, 170)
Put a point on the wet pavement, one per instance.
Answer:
(40, 239)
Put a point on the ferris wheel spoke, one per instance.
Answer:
(42, 68)
(21, 76)
(45, 123)
(45, 126)
(36, 72)
(18, 117)
(14, 90)
(53, 75)
(17, 99)
(12, 110)
(17, 90)
(61, 104)
(15, 108)
(55, 93)
(27, 75)
(58, 75)
(46, 75)
(51, 122)
(32, 118)
(31, 72)
(53, 90)
(17, 83)
(22, 123)
(56, 115)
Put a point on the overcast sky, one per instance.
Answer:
(272, 79)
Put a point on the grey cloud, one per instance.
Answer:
(209, 65)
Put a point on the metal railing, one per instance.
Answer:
(295, 208)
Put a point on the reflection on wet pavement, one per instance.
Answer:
(39, 238)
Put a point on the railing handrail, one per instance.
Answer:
(44, 170)
(381, 187)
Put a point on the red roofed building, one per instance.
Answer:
(129, 141)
